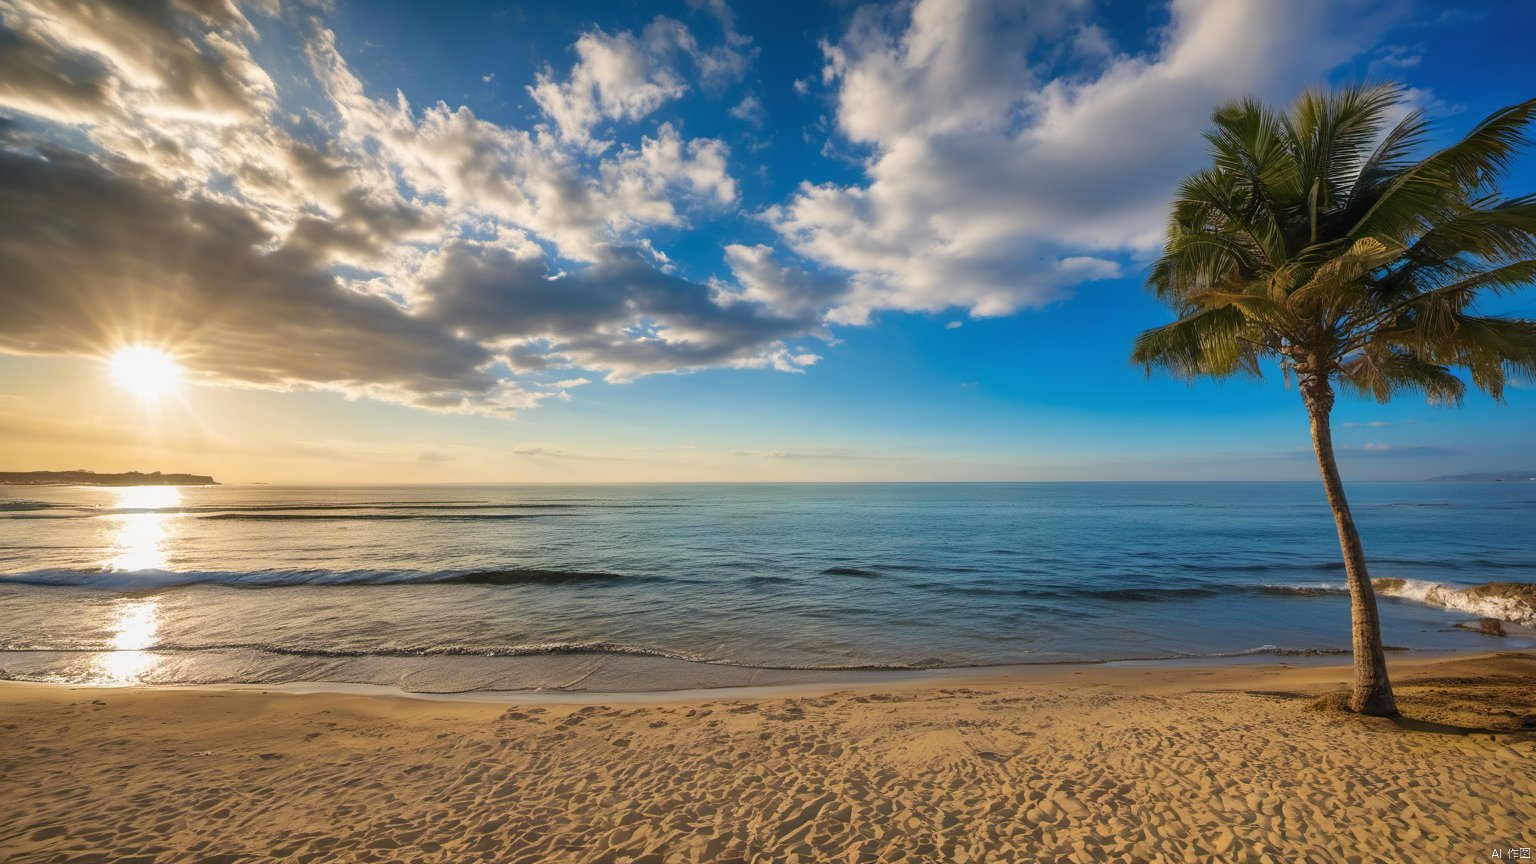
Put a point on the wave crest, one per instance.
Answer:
(1507, 601)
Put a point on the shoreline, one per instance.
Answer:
(672, 679)
(822, 681)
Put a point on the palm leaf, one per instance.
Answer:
(1379, 374)
(1219, 342)
(1458, 172)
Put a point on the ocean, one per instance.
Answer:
(637, 587)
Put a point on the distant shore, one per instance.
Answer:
(1488, 477)
(1084, 764)
(91, 478)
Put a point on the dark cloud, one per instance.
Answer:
(619, 314)
(764, 280)
(95, 258)
(43, 79)
(187, 51)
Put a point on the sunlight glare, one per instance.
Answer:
(146, 371)
(143, 539)
(147, 497)
(135, 629)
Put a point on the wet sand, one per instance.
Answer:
(1083, 764)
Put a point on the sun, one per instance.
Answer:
(146, 371)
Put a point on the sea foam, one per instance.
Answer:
(1489, 600)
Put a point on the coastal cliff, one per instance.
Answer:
(91, 478)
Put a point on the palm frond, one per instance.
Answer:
(1346, 270)
(1214, 200)
(1195, 260)
(1460, 294)
(1389, 160)
(1381, 373)
(1497, 230)
(1330, 131)
(1271, 315)
(1425, 191)
(1218, 342)
(1492, 349)
(1249, 144)
(1391, 156)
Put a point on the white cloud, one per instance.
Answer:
(625, 76)
(528, 179)
(750, 110)
(622, 76)
(764, 280)
(641, 180)
(989, 189)
(1091, 42)
(1399, 57)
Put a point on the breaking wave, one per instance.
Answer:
(23, 504)
(1507, 601)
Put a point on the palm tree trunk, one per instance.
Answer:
(1372, 692)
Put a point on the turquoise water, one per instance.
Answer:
(409, 584)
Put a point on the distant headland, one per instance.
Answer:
(91, 478)
(1495, 476)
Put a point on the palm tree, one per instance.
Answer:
(1316, 240)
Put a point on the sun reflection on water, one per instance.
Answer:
(135, 628)
(143, 539)
(147, 497)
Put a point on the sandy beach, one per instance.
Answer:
(1068, 763)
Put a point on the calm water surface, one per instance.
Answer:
(461, 587)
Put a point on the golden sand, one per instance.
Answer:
(1078, 764)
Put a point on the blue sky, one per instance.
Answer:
(692, 241)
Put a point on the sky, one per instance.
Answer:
(703, 240)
